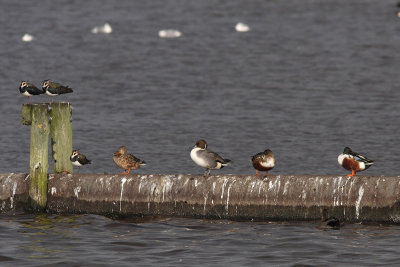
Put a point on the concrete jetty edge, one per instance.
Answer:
(369, 199)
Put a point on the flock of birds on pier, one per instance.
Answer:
(263, 161)
(203, 157)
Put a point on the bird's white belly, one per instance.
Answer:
(341, 157)
(50, 94)
(76, 163)
(198, 160)
(268, 164)
(26, 93)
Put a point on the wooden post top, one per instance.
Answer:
(27, 109)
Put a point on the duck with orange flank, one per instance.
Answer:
(353, 161)
(263, 161)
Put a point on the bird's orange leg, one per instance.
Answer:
(129, 170)
(123, 172)
(353, 172)
(266, 173)
(256, 172)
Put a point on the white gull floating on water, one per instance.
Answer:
(241, 27)
(27, 37)
(106, 29)
(170, 33)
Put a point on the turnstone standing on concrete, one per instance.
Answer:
(79, 159)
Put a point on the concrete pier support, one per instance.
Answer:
(236, 197)
(14, 191)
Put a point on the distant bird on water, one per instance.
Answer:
(329, 222)
(242, 27)
(79, 159)
(127, 161)
(27, 37)
(170, 33)
(28, 89)
(52, 89)
(263, 161)
(206, 158)
(353, 161)
(106, 29)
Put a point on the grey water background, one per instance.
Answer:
(309, 78)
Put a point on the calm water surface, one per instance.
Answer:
(89, 240)
(309, 78)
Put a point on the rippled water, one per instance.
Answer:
(309, 78)
(89, 240)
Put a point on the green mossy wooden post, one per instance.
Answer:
(61, 136)
(37, 115)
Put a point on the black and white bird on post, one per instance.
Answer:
(53, 89)
(28, 89)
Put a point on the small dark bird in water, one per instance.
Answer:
(329, 222)
(127, 161)
(206, 158)
(52, 89)
(79, 159)
(353, 161)
(263, 161)
(28, 89)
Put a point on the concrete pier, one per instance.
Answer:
(14, 191)
(236, 197)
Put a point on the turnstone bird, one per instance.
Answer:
(206, 158)
(79, 159)
(28, 89)
(52, 89)
(263, 161)
(127, 161)
(353, 161)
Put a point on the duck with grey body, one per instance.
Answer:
(206, 158)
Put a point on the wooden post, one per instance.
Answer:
(61, 136)
(37, 115)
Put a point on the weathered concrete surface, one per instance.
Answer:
(14, 191)
(236, 197)
(352, 199)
